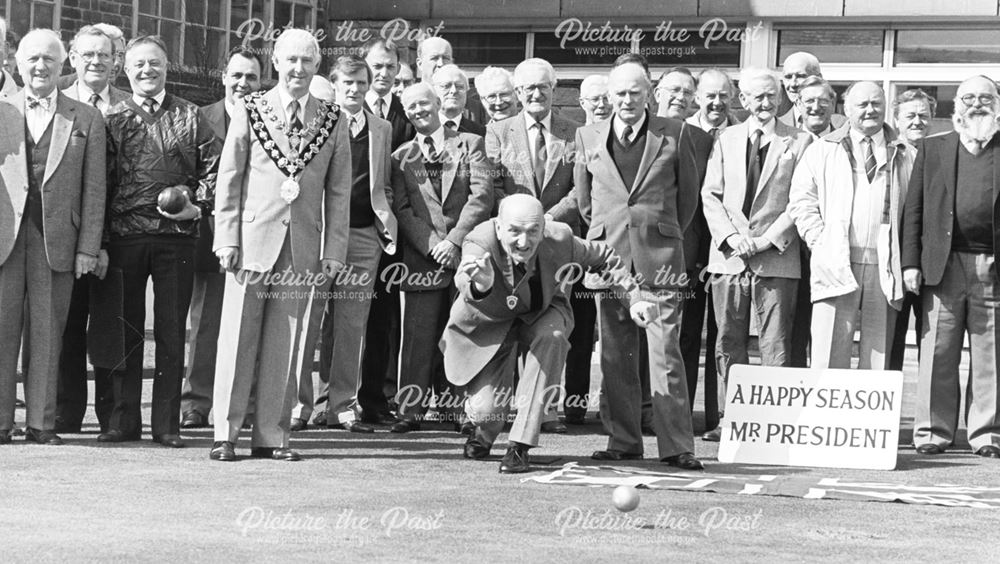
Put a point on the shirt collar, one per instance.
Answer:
(84, 92)
(878, 138)
(619, 126)
(437, 136)
(51, 98)
(707, 127)
(159, 99)
(360, 115)
(754, 124)
(457, 119)
(230, 107)
(286, 99)
(530, 122)
(372, 98)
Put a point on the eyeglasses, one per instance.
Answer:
(597, 100)
(984, 99)
(91, 55)
(499, 97)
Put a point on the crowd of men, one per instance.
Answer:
(442, 261)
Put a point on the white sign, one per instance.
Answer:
(805, 417)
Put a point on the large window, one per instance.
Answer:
(833, 45)
(492, 48)
(969, 46)
(25, 15)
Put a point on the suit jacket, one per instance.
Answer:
(380, 175)
(929, 216)
(788, 118)
(251, 214)
(508, 149)
(426, 219)
(725, 189)
(645, 222)
(114, 94)
(698, 238)
(204, 259)
(478, 326)
(402, 129)
(468, 125)
(73, 187)
(820, 203)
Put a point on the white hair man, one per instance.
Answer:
(53, 165)
(854, 241)
(452, 87)
(949, 259)
(496, 91)
(594, 98)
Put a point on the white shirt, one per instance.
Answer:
(84, 93)
(437, 137)
(619, 127)
(372, 99)
(286, 101)
(530, 122)
(159, 100)
(38, 118)
(357, 122)
(230, 107)
(707, 127)
(753, 124)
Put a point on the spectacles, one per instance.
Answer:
(596, 100)
(499, 97)
(984, 99)
(91, 55)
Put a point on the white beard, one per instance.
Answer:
(979, 127)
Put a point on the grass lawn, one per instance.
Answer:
(413, 498)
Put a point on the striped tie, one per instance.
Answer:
(870, 164)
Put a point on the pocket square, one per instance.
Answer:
(79, 134)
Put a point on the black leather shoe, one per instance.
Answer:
(929, 448)
(47, 437)
(615, 455)
(989, 451)
(285, 454)
(320, 419)
(298, 425)
(6, 437)
(222, 451)
(713, 436)
(114, 436)
(404, 426)
(475, 450)
(172, 441)
(684, 461)
(554, 427)
(194, 420)
(355, 427)
(516, 460)
(575, 419)
(383, 418)
(467, 429)
(63, 426)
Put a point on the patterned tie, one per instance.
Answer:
(433, 165)
(149, 105)
(381, 108)
(94, 99)
(753, 172)
(541, 155)
(33, 102)
(870, 164)
(294, 126)
(626, 135)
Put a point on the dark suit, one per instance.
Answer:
(52, 208)
(426, 218)
(206, 298)
(379, 367)
(71, 403)
(485, 334)
(469, 126)
(959, 295)
(644, 222)
(507, 144)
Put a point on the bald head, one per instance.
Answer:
(432, 54)
(796, 69)
(421, 106)
(864, 104)
(628, 87)
(520, 226)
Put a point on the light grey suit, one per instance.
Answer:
(36, 265)
(765, 283)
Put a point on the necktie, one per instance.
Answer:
(753, 172)
(714, 132)
(33, 102)
(356, 126)
(541, 155)
(432, 164)
(94, 99)
(294, 125)
(626, 134)
(381, 108)
(450, 125)
(149, 105)
(870, 164)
